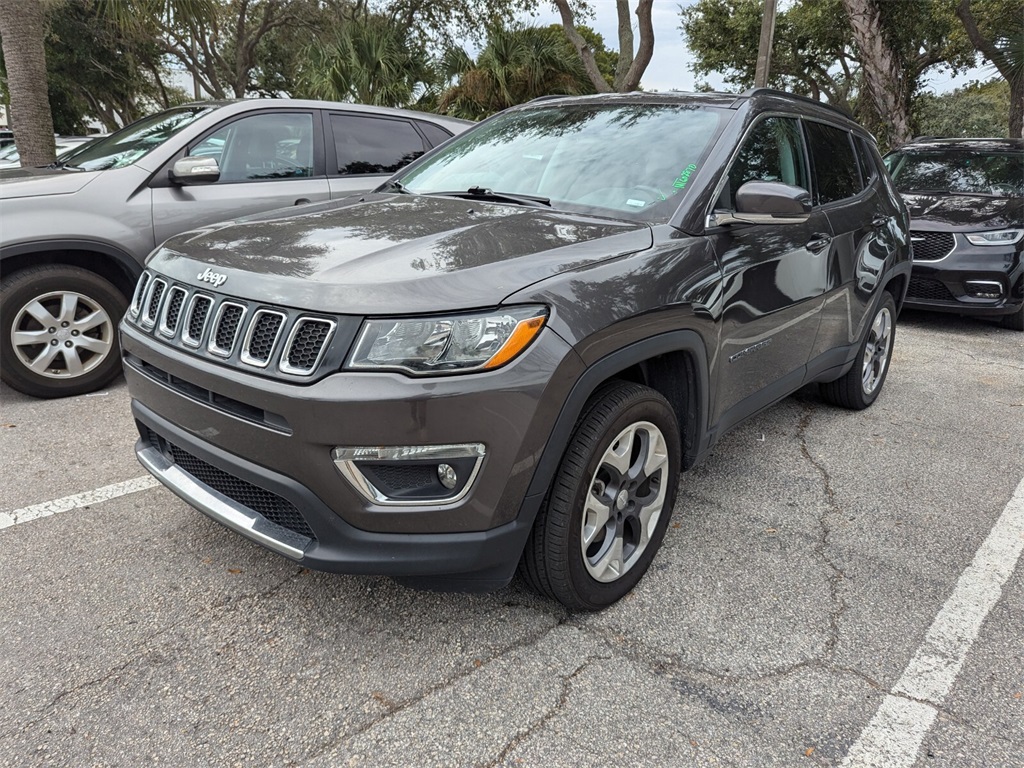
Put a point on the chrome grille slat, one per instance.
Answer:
(261, 337)
(172, 311)
(306, 345)
(140, 291)
(153, 299)
(225, 328)
(195, 319)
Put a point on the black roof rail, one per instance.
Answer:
(806, 99)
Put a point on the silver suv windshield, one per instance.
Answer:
(134, 141)
(622, 160)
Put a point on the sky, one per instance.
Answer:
(670, 66)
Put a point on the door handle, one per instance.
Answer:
(818, 242)
(302, 201)
(879, 221)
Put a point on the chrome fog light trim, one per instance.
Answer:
(347, 461)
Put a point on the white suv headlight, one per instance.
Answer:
(453, 344)
(996, 237)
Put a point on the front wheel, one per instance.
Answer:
(1015, 321)
(610, 502)
(860, 386)
(58, 331)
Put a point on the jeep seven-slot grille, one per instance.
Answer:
(931, 246)
(229, 330)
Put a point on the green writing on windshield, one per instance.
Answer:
(680, 182)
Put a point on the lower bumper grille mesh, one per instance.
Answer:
(929, 289)
(274, 508)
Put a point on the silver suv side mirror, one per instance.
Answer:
(195, 170)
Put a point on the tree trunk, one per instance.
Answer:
(886, 81)
(23, 29)
(630, 68)
(586, 55)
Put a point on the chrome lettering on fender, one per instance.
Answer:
(749, 350)
(216, 279)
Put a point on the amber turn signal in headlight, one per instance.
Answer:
(452, 344)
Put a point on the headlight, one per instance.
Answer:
(454, 344)
(996, 237)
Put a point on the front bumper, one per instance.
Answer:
(272, 478)
(970, 280)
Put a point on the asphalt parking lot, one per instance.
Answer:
(835, 588)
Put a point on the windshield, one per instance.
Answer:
(628, 161)
(1000, 174)
(136, 140)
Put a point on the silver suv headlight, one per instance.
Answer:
(453, 344)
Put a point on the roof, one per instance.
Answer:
(973, 144)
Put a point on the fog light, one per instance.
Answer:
(447, 476)
(409, 475)
(984, 289)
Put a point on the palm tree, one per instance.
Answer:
(371, 62)
(517, 65)
(23, 30)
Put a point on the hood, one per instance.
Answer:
(395, 254)
(944, 213)
(31, 182)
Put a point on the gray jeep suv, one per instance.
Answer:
(507, 354)
(74, 236)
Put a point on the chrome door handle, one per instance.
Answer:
(818, 242)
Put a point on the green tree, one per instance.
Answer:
(996, 29)
(371, 61)
(812, 55)
(868, 56)
(517, 64)
(979, 109)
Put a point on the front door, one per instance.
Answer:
(775, 277)
(267, 160)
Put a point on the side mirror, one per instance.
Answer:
(768, 202)
(195, 170)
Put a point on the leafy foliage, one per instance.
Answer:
(979, 109)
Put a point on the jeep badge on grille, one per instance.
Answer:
(214, 278)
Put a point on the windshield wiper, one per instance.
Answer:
(61, 167)
(395, 186)
(480, 193)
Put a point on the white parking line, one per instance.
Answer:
(894, 735)
(47, 508)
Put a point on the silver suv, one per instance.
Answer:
(74, 236)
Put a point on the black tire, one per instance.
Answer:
(79, 347)
(1015, 321)
(861, 385)
(554, 561)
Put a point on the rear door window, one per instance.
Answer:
(367, 145)
(835, 166)
(435, 134)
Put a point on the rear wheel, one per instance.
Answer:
(860, 386)
(58, 331)
(610, 502)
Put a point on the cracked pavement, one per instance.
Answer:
(803, 565)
